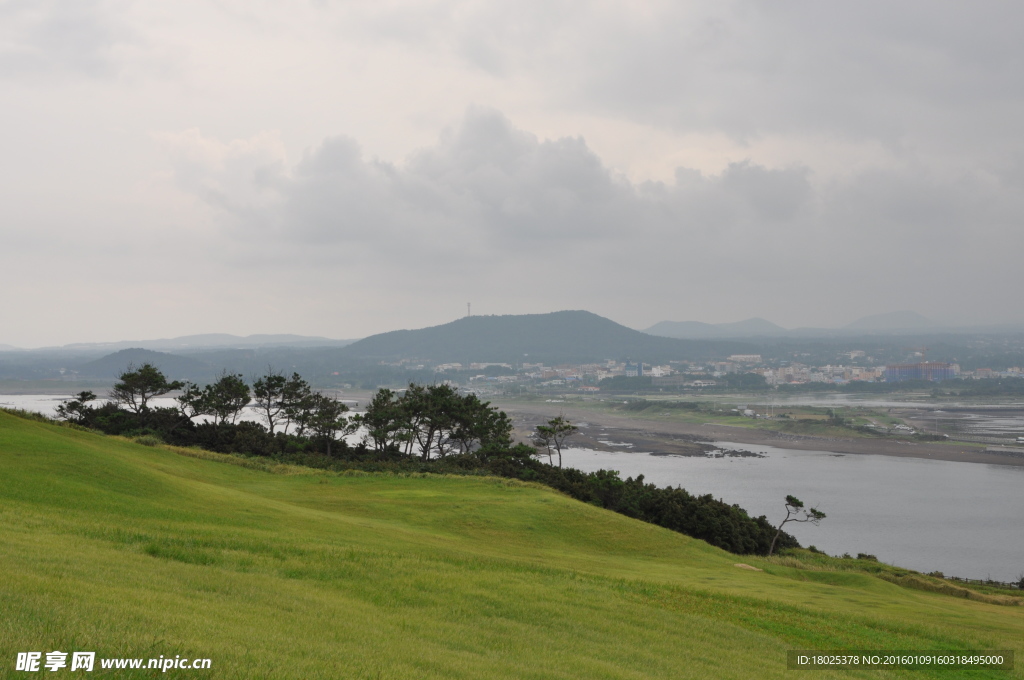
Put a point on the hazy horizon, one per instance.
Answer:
(932, 327)
(343, 170)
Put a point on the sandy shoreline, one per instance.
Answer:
(685, 438)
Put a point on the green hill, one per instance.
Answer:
(112, 365)
(279, 572)
(569, 336)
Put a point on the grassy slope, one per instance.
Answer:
(125, 550)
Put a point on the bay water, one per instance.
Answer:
(963, 519)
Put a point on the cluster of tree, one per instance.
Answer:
(834, 418)
(723, 525)
(295, 417)
(551, 437)
(433, 421)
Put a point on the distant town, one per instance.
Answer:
(570, 351)
(593, 377)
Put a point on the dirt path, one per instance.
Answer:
(598, 427)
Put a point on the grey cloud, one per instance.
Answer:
(484, 186)
(916, 77)
(870, 69)
(884, 162)
(495, 200)
(336, 196)
(775, 195)
(54, 38)
(521, 188)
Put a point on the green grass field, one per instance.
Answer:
(135, 551)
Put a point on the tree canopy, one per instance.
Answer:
(553, 435)
(433, 421)
(137, 386)
(795, 512)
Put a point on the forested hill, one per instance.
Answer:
(569, 336)
(114, 364)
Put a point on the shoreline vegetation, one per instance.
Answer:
(670, 424)
(791, 560)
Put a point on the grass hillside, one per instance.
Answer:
(127, 550)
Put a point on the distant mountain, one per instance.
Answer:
(682, 329)
(891, 321)
(699, 330)
(569, 336)
(215, 340)
(8, 348)
(173, 366)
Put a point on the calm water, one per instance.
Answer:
(40, 403)
(963, 519)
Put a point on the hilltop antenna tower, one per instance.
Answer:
(469, 309)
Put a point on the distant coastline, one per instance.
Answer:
(663, 437)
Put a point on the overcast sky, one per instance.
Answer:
(346, 168)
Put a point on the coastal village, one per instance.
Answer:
(693, 374)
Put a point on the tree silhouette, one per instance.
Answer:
(136, 386)
(795, 512)
(554, 434)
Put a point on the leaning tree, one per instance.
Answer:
(795, 512)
